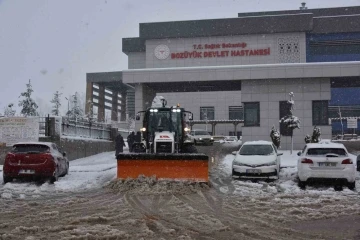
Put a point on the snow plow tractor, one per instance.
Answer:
(166, 151)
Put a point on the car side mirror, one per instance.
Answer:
(137, 117)
(279, 154)
(64, 154)
(299, 153)
(234, 153)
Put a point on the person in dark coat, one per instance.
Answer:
(119, 144)
(130, 140)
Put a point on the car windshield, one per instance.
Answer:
(326, 151)
(256, 150)
(201, 133)
(30, 148)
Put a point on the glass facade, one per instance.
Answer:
(252, 114)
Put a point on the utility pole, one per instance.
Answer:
(342, 126)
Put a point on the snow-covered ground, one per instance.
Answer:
(145, 209)
(85, 174)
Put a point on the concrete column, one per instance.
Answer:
(130, 103)
(89, 97)
(114, 106)
(101, 104)
(123, 106)
(235, 125)
(143, 99)
(213, 128)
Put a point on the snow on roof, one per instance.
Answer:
(349, 15)
(325, 145)
(35, 143)
(260, 142)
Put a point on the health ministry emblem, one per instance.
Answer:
(162, 52)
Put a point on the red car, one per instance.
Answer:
(35, 160)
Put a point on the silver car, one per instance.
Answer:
(201, 137)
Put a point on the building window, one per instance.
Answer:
(284, 108)
(207, 113)
(238, 134)
(252, 114)
(320, 113)
(236, 112)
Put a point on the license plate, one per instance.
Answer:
(26, 171)
(253, 170)
(327, 164)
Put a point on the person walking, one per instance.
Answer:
(130, 140)
(119, 144)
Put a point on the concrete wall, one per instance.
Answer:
(136, 60)
(270, 92)
(256, 41)
(221, 101)
(74, 148)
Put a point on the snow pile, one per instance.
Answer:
(150, 186)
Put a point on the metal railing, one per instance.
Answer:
(83, 128)
(42, 126)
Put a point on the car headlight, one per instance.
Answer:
(200, 138)
(212, 138)
(270, 163)
(238, 163)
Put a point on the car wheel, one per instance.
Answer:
(351, 185)
(66, 170)
(302, 184)
(55, 177)
(7, 179)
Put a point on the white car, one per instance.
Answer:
(256, 159)
(230, 139)
(326, 161)
(201, 137)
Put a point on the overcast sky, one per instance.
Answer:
(55, 43)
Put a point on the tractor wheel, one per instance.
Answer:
(189, 149)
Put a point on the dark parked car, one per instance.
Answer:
(35, 160)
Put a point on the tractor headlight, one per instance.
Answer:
(143, 129)
(200, 138)
(212, 138)
(187, 129)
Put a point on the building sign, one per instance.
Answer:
(220, 50)
(162, 52)
(19, 129)
(351, 122)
